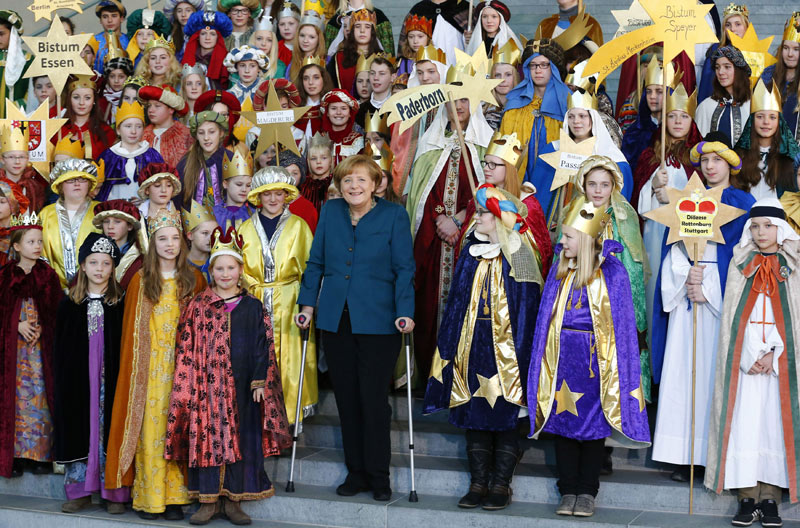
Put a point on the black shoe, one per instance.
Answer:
(17, 468)
(173, 513)
(769, 514)
(681, 474)
(147, 516)
(747, 514)
(479, 455)
(474, 496)
(499, 497)
(506, 456)
(41, 468)
(382, 494)
(608, 466)
(348, 489)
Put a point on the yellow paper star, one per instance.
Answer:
(568, 158)
(57, 55)
(437, 366)
(50, 128)
(243, 125)
(45, 8)
(695, 215)
(477, 89)
(631, 19)
(679, 24)
(489, 389)
(275, 123)
(566, 399)
(756, 52)
(638, 395)
(480, 60)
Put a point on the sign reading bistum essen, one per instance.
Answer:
(57, 55)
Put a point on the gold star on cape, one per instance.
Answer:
(44, 8)
(58, 55)
(631, 19)
(568, 158)
(566, 399)
(437, 366)
(638, 395)
(679, 24)
(51, 128)
(489, 389)
(695, 215)
(275, 123)
(755, 52)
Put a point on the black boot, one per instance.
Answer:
(479, 454)
(506, 456)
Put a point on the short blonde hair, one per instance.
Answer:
(351, 163)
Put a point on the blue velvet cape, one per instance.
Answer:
(639, 135)
(114, 169)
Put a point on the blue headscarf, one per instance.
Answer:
(554, 102)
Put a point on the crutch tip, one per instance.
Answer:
(412, 497)
(290, 487)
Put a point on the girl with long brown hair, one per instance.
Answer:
(309, 41)
(200, 170)
(362, 40)
(728, 106)
(85, 121)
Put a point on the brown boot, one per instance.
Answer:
(206, 512)
(115, 508)
(235, 514)
(76, 505)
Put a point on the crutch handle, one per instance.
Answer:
(303, 331)
(402, 323)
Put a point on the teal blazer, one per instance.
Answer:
(370, 267)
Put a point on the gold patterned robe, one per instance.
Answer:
(56, 226)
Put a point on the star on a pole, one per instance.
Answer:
(631, 19)
(695, 215)
(275, 123)
(489, 388)
(58, 55)
(568, 158)
(477, 88)
(479, 60)
(638, 395)
(566, 399)
(755, 52)
(44, 8)
(51, 127)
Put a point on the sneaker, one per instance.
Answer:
(747, 514)
(567, 505)
(769, 514)
(584, 506)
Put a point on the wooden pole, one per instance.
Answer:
(464, 152)
(664, 117)
(638, 92)
(694, 381)
(469, 20)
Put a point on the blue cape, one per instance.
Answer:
(639, 135)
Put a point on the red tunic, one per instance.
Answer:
(175, 142)
(96, 146)
(33, 185)
(303, 208)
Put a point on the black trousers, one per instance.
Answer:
(360, 368)
(579, 464)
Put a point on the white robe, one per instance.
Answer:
(756, 452)
(447, 38)
(672, 439)
(705, 111)
(653, 234)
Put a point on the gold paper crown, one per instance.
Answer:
(506, 147)
(385, 56)
(14, 139)
(363, 63)
(196, 215)
(764, 99)
(128, 110)
(115, 50)
(226, 243)
(26, 220)
(508, 54)
(415, 23)
(376, 123)
(586, 218)
(680, 100)
(159, 42)
(792, 31)
(457, 73)
(576, 78)
(575, 33)
(69, 146)
(238, 165)
(431, 53)
(655, 73)
(164, 218)
(313, 60)
(734, 9)
(83, 81)
(315, 6)
(582, 99)
(384, 158)
(363, 15)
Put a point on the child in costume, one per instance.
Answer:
(264, 38)
(225, 351)
(242, 13)
(155, 297)
(339, 111)
(111, 14)
(381, 75)
(297, 168)
(736, 20)
(158, 66)
(12, 203)
(120, 221)
(477, 375)
(784, 73)
(309, 41)
(198, 225)
(751, 438)
(31, 293)
(17, 171)
(361, 40)
(118, 68)
(247, 64)
(678, 285)
(86, 362)
(276, 248)
(384, 158)
(171, 138)
(193, 85)
(200, 171)
(85, 122)
(237, 176)
(287, 17)
(728, 106)
(68, 222)
(206, 31)
(340, 22)
(158, 185)
(584, 382)
(126, 158)
(320, 167)
(418, 31)
(490, 28)
(145, 25)
(505, 66)
(178, 13)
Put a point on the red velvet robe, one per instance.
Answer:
(33, 185)
(303, 208)
(175, 142)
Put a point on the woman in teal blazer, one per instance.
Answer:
(363, 251)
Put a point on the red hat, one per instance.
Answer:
(260, 95)
(339, 96)
(165, 94)
(15, 195)
(209, 98)
(122, 209)
(497, 5)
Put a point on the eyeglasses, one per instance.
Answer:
(14, 158)
(239, 11)
(539, 66)
(489, 165)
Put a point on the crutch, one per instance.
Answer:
(412, 496)
(304, 332)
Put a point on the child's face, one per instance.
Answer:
(570, 239)
(416, 40)
(655, 98)
(273, 202)
(158, 61)
(504, 72)
(207, 39)
(380, 78)
(116, 229)
(143, 36)
(263, 39)
(490, 21)
(287, 27)
(766, 123)
(5, 36)
(312, 81)
(237, 188)
(158, 113)
(183, 11)
(678, 124)
(319, 162)
(129, 94)
(110, 20)
(43, 89)
(248, 71)
(115, 79)
(30, 245)
(333, 193)
(98, 268)
(239, 15)
(168, 243)
(765, 234)
(715, 168)
(485, 222)
(599, 185)
(497, 175)
(295, 173)
(308, 39)
(376, 140)
(75, 189)
(193, 86)
(201, 236)
(380, 190)
(87, 54)
(160, 193)
(338, 114)
(225, 272)
(209, 136)
(15, 162)
(82, 101)
(5, 210)
(363, 88)
(362, 32)
(130, 131)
